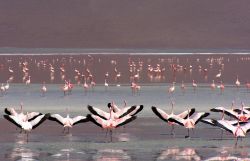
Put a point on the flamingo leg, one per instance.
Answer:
(172, 130)
(63, 129)
(111, 135)
(187, 136)
(236, 141)
(27, 136)
(221, 134)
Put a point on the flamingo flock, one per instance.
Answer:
(116, 117)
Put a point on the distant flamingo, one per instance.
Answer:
(213, 86)
(28, 81)
(221, 87)
(43, 89)
(194, 85)
(11, 70)
(218, 75)
(85, 86)
(106, 85)
(171, 89)
(237, 82)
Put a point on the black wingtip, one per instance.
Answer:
(154, 109)
(139, 110)
(7, 111)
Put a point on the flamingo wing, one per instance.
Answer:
(14, 120)
(10, 111)
(198, 116)
(125, 121)
(79, 119)
(185, 114)
(38, 120)
(246, 127)
(56, 117)
(128, 111)
(177, 120)
(160, 113)
(218, 109)
(208, 121)
(137, 110)
(97, 120)
(224, 125)
(239, 111)
(96, 111)
(31, 116)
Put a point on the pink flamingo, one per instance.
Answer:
(110, 124)
(68, 122)
(43, 89)
(165, 117)
(190, 121)
(194, 85)
(237, 131)
(213, 86)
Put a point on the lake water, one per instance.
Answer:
(146, 138)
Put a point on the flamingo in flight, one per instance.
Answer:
(237, 131)
(165, 117)
(68, 122)
(110, 124)
(111, 114)
(26, 125)
(120, 111)
(190, 121)
(29, 116)
(242, 116)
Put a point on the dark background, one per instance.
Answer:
(125, 24)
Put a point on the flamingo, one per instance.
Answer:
(120, 111)
(30, 116)
(26, 125)
(11, 70)
(171, 89)
(190, 121)
(213, 86)
(68, 122)
(231, 122)
(218, 75)
(106, 84)
(194, 85)
(183, 88)
(239, 116)
(2, 88)
(237, 82)
(110, 124)
(111, 114)
(221, 87)
(85, 86)
(28, 81)
(237, 131)
(165, 117)
(43, 89)
(65, 89)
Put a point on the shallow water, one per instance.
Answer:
(147, 138)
